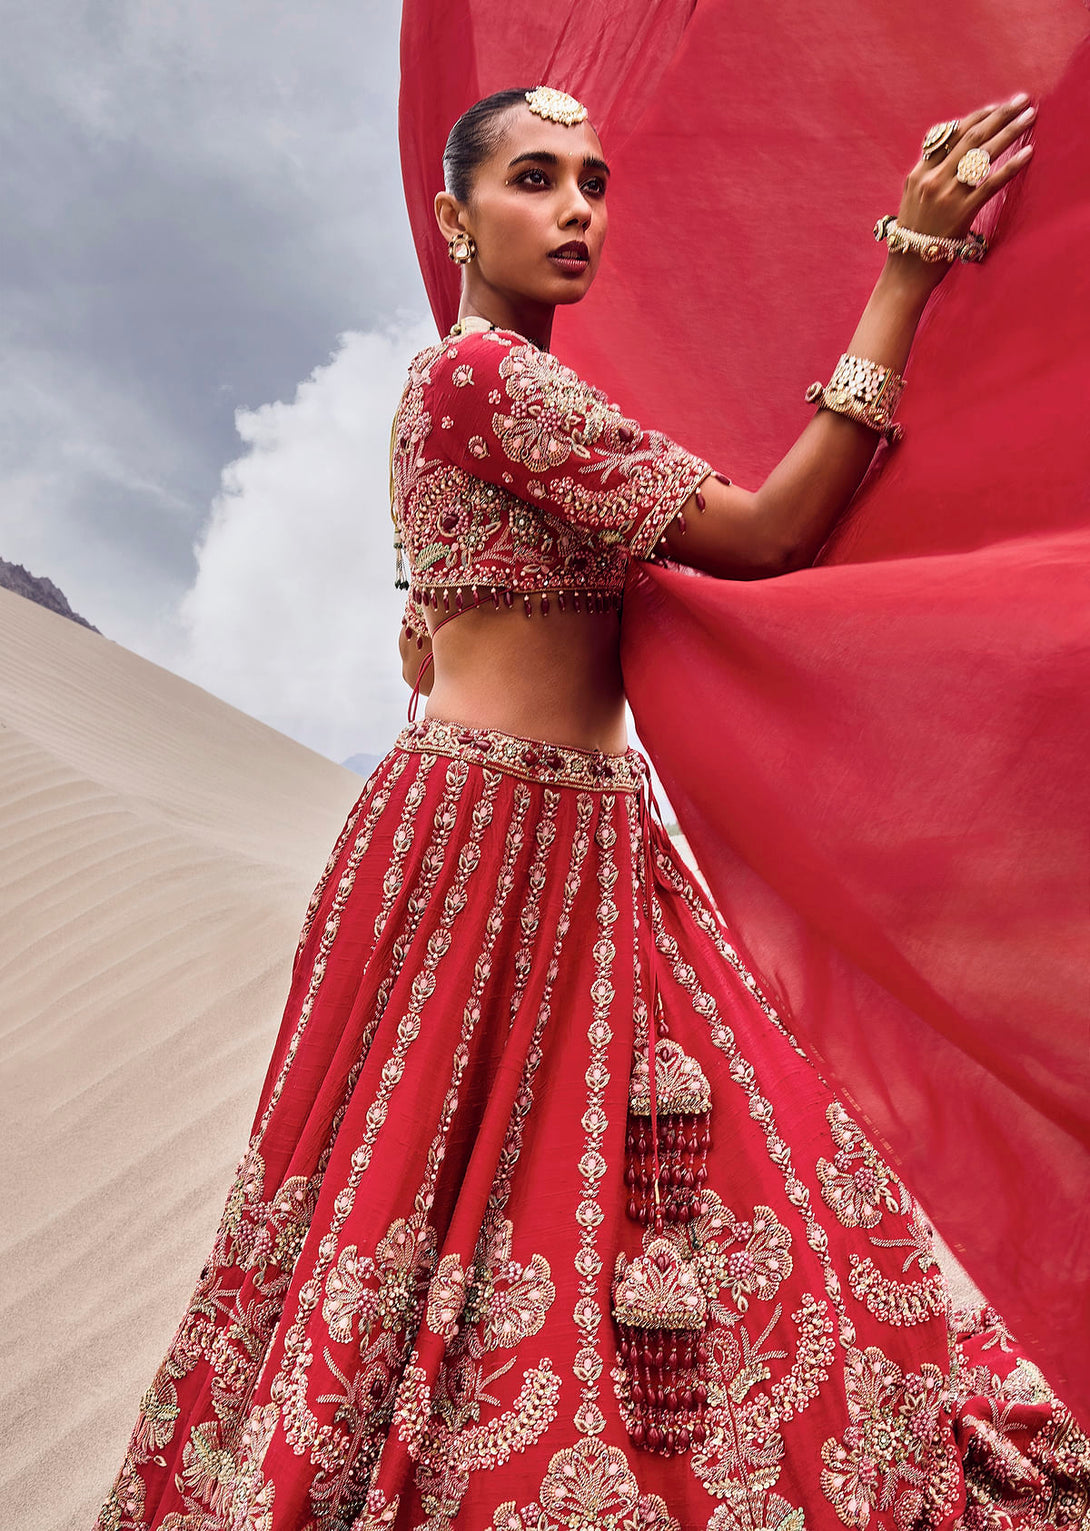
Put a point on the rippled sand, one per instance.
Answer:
(157, 850)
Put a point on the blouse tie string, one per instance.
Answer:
(649, 807)
(414, 700)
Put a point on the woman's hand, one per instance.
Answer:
(740, 534)
(936, 202)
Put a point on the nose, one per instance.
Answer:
(578, 211)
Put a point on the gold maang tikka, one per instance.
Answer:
(555, 106)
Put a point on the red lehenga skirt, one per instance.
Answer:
(432, 1301)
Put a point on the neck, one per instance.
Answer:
(525, 317)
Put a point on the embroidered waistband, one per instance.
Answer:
(554, 765)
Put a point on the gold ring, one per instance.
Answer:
(974, 168)
(939, 137)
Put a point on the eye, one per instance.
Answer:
(595, 186)
(527, 177)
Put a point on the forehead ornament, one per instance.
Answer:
(555, 106)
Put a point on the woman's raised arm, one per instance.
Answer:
(743, 534)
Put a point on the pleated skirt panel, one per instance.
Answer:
(408, 1316)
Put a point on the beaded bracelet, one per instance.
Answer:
(864, 391)
(930, 247)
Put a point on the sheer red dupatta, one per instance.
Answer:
(881, 762)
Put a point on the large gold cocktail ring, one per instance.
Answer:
(974, 168)
(939, 137)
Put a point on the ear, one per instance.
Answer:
(450, 214)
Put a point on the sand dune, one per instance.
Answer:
(157, 849)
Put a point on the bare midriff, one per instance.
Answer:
(554, 677)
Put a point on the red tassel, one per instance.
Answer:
(683, 1118)
(661, 1313)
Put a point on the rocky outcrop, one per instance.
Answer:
(35, 587)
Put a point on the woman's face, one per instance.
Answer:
(537, 210)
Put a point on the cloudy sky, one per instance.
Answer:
(207, 296)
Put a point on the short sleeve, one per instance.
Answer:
(516, 417)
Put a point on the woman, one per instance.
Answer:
(545, 1220)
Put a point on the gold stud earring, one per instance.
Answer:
(462, 248)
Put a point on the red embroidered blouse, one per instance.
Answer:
(510, 474)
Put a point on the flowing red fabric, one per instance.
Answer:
(880, 762)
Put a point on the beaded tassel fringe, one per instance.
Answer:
(661, 1312)
(658, 1304)
(683, 1138)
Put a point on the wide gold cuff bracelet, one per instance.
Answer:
(864, 391)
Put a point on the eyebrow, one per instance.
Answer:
(547, 157)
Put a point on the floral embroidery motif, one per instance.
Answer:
(861, 1189)
(507, 1299)
(761, 1513)
(246, 1499)
(1040, 1472)
(290, 1386)
(857, 1185)
(385, 1290)
(553, 414)
(378, 1513)
(902, 1302)
(758, 1264)
(588, 1485)
(893, 1456)
(503, 499)
(445, 1435)
(158, 1415)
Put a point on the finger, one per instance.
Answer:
(1001, 141)
(999, 178)
(968, 121)
(977, 132)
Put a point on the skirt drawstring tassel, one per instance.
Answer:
(659, 1306)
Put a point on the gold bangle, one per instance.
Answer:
(930, 247)
(864, 391)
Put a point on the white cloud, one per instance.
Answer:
(205, 194)
(293, 615)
